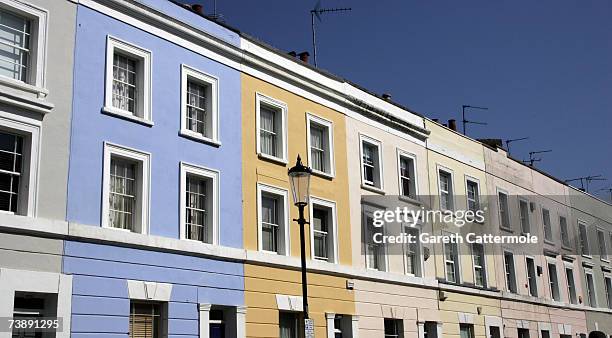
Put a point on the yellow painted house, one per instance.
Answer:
(468, 303)
(279, 125)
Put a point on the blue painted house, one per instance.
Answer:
(154, 175)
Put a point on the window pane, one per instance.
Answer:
(547, 226)
(196, 108)
(10, 170)
(524, 212)
(412, 253)
(321, 233)
(510, 273)
(145, 320)
(269, 131)
(571, 288)
(196, 213)
(503, 210)
(407, 176)
(472, 195)
(124, 82)
(122, 196)
(270, 223)
(318, 148)
(369, 164)
(14, 45)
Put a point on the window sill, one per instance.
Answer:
(506, 229)
(111, 111)
(410, 200)
(587, 256)
(372, 189)
(273, 159)
(549, 242)
(566, 247)
(199, 138)
(323, 174)
(41, 92)
(605, 260)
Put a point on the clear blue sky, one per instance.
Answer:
(542, 67)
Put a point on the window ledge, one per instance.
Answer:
(548, 241)
(605, 260)
(565, 247)
(372, 189)
(199, 138)
(410, 200)
(123, 115)
(506, 229)
(277, 160)
(323, 174)
(41, 92)
(587, 256)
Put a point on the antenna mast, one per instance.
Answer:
(464, 121)
(317, 11)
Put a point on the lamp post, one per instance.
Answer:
(299, 176)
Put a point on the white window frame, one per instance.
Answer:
(586, 239)
(310, 119)
(535, 276)
(146, 57)
(376, 143)
(589, 271)
(602, 255)
(421, 267)
(552, 261)
(507, 210)
(506, 272)
(208, 80)
(483, 267)
(30, 130)
(570, 266)
(38, 45)
(528, 219)
(415, 184)
(457, 264)
(478, 200)
(284, 194)
(451, 193)
(263, 99)
(144, 158)
(206, 173)
(333, 226)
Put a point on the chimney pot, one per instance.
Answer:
(198, 8)
(436, 120)
(386, 96)
(292, 53)
(304, 56)
(452, 124)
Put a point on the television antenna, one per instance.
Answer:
(514, 140)
(587, 180)
(533, 159)
(609, 190)
(465, 122)
(316, 12)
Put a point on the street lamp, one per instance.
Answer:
(299, 176)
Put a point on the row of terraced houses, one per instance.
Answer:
(144, 193)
